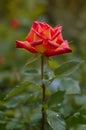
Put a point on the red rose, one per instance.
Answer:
(44, 39)
(14, 23)
(1, 59)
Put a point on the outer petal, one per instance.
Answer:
(26, 45)
(63, 48)
(59, 39)
(30, 36)
(58, 28)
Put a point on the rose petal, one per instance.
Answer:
(40, 48)
(38, 34)
(44, 25)
(42, 30)
(36, 43)
(52, 44)
(30, 36)
(55, 35)
(59, 39)
(46, 34)
(63, 48)
(26, 45)
(40, 26)
(52, 32)
(57, 31)
(37, 27)
(58, 28)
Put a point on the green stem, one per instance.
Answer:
(43, 92)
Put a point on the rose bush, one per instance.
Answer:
(44, 39)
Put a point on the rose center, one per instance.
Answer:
(40, 48)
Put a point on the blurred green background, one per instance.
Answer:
(16, 18)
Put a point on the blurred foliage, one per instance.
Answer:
(72, 16)
(20, 97)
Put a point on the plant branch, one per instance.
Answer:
(43, 92)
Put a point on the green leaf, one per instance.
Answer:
(76, 119)
(31, 71)
(83, 109)
(18, 89)
(67, 67)
(80, 127)
(48, 75)
(80, 99)
(52, 63)
(66, 110)
(14, 124)
(36, 57)
(33, 116)
(17, 100)
(56, 98)
(69, 85)
(55, 121)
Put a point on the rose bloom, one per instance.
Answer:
(1, 59)
(14, 23)
(44, 39)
